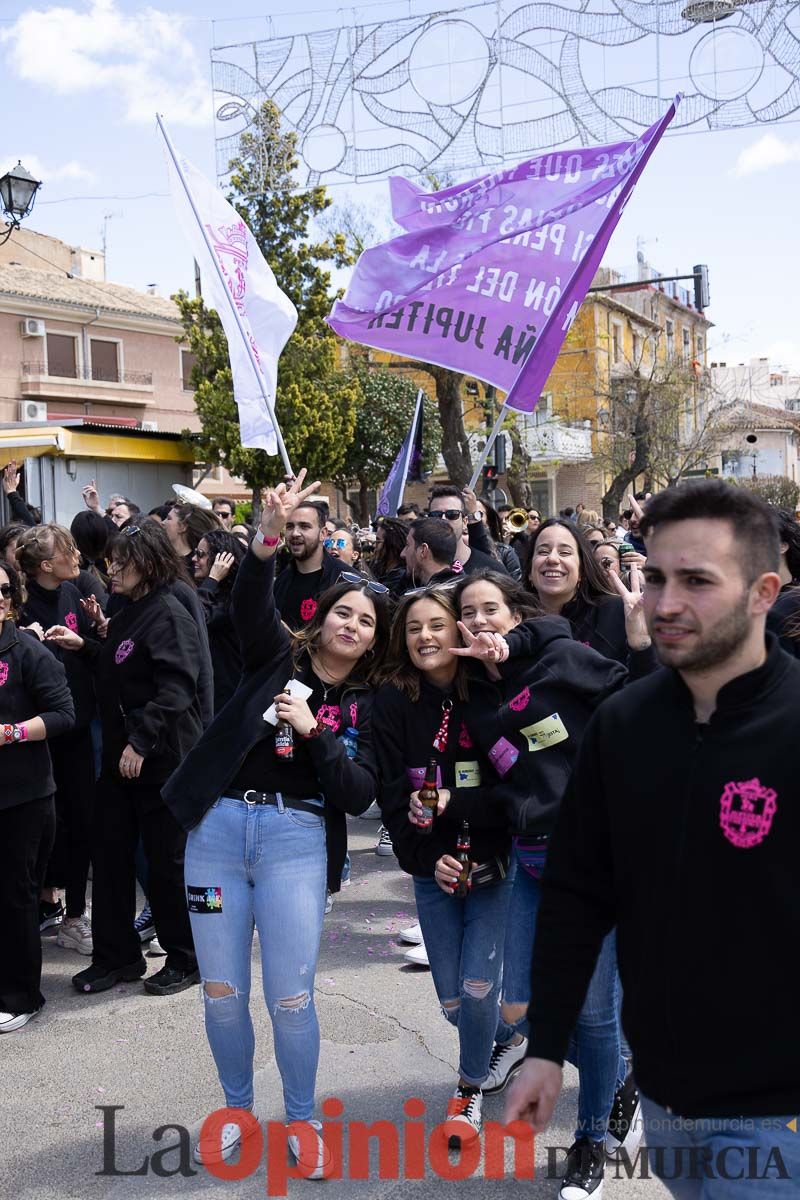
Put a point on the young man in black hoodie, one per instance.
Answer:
(311, 570)
(686, 838)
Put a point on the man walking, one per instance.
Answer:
(684, 836)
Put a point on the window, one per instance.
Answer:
(637, 350)
(617, 350)
(188, 361)
(105, 360)
(687, 345)
(670, 327)
(698, 341)
(62, 355)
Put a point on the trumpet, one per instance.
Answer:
(517, 520)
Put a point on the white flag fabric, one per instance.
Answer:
(266, 316)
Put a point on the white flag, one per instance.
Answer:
(249, 302)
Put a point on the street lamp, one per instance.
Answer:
(18, 191)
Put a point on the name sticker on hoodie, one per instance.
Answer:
(468, 774)
(548, 732)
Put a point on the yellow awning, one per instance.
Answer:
(76, 443)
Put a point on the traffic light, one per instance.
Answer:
(489, 476)
(702, 296)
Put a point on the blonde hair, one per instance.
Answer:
(40, 543)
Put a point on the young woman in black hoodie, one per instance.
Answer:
(267, 827)
(48, 558)
(419, 717)
(146, 677)
(216, 562)
(35, 704)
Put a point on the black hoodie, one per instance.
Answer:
(532, 738)
(61, 606)
(685, 837)
(601, 626)
(32, 684)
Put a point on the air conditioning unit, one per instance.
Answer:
(31, 327)
(150, 426)
(32, 410)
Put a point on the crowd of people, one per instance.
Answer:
(576, 733)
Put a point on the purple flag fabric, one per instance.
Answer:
(490, 274)
(405, 466)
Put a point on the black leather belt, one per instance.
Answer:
(253, 797)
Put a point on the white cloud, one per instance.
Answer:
(146, 58)
(785, 354)
(769, 151)
(47, 172)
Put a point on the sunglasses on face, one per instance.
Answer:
(131, 530)
(451, 514)
(372, 584)
(338, 543)
(5, 591)
(221, 513)
(199, 554)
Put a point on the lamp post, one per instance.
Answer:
(18, 191)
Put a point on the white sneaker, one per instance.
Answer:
(319, 1163)
(75, 933)
(328, 902)
(417, 955)
(229, 1142)
(503, 1066)
(155, 949)
(373, 813)
(412, 935)
(11, 1021)
(384, 843)
(465, 1110)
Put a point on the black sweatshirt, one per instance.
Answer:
(32, 684)
(784, 616)
(296, 594)
(601, 626)
(685, 837)
(548, 697)
(146, 677)
(223, 643)
(61, 606)
(347, 785)
(404, 730)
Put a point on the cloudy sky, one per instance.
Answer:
(83, 79)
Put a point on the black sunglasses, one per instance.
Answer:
(452, 514)
(131, 530)
(5, 591)
(372, 584)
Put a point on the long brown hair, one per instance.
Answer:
(309, 639)
(398, 668)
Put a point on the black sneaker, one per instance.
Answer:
(97, 978)
(584, 1171)
(50, 915)
(625, 1126)
(144, 925)
(170, 980)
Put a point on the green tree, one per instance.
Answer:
(383, 416)
(775, 489)
(316, 401)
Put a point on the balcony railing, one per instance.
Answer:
(95, 374)
(550, 441)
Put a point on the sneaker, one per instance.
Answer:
(144, 925)
(384, 843)
(76, 934)
(584, 1171)
(328, 901)
(170, 980)
(11, 1021)
(155, 949)
(465, 1109)
(99, 979)
(417, 955)
(230, 1140)
(504, 1064)
(412, 935)
(50, 915)
(625, 1125)
(315, 1162)
(373, 813)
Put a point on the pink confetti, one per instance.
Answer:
(101, 1090)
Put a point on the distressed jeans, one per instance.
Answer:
(265, 866)
(464, 940)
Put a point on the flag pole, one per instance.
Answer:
(237, 316)
(412, 439)
(490, 441)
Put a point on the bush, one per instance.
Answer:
(775, 489)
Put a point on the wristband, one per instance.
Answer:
(266, 541)
(15, 733)
(315, 732)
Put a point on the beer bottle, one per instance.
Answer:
(429, 796)
(284, 741)
(461, 890)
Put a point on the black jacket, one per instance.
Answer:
(784, 615)
(601, 626)
(332, 568)
(223, 642)
(685, 837)
(32, 684)
(19, 510)
(146, 678)
(551, 693)
(61, 606)
(404, 731)
(348, 785)
(480, 539)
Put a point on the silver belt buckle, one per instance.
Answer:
(249, 792)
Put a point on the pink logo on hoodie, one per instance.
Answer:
(746, 810)
(521, 701)
(124, 649)
(3, 673)
(71, 621)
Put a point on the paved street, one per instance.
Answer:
(383, 1042)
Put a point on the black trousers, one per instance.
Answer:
(73, 770)
(26, 839)
(125, 810)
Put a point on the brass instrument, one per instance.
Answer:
(517, 520)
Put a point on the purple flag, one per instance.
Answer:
(405, 466)
(490, 274)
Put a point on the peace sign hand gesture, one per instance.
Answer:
(633, 600)
(488, 648)
(281, 503)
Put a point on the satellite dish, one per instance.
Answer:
(190, 496)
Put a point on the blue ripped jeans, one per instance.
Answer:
(270, 864)
(464, 940)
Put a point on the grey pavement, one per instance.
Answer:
(383, 1042)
